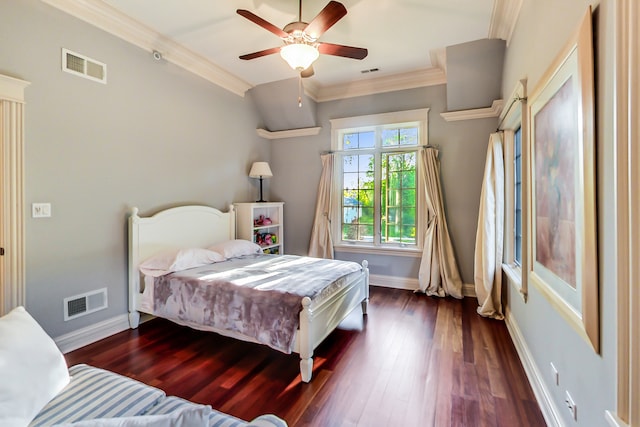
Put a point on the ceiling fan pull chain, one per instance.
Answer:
(300, 89)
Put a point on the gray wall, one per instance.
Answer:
(474, 73)
(543, 28)
(153, 137)
(463, 145)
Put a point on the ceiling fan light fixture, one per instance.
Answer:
(299, 56)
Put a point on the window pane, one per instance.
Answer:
(409, 198)
(408, 216)
(350, 164)
(358, 140)
(517, 242)
(390, 137)
(349, 232)
(366, 233)
(394, 232)
(409, 136)
(366, 215)
(409, 234)
(409, 161)
(366, 197)
(365, 163)
(394, 181)
(393, 216)
(350, 141)
(367, 139)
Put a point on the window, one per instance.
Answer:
(517, 184)
(513, 123)
(377, 180)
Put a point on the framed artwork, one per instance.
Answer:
(562, 251)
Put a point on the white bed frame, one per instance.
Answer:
(202, 226)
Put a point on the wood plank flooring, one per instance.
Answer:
(413, 361)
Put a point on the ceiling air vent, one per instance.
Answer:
(83, 66)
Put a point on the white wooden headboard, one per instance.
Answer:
(174, 228)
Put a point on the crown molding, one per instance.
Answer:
(290, 133)
(109, 19)
(478, 113)
(12, 89)
(428, 77)
(439, 58)
(503, 19)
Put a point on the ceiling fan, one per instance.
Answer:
(301, 46)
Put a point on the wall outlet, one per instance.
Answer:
(40, 210)
(554, 374)
(571, 406)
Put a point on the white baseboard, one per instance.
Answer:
(90, 334)
(407, 283)
(410, 284)
(613, 420)
(469, 290)
(549, 410)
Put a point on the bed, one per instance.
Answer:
(203, 227)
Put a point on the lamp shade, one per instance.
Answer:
(299, 56)
(260, 170)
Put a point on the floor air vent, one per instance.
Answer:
(80, 305)
(83, 66)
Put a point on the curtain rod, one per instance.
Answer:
(405, 148)
(513, 101)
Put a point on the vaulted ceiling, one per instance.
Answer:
(406, 39)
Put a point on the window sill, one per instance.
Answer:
(514, 276)
(377, 250)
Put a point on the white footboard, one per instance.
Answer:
(318, 321)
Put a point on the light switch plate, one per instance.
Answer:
(41, 210)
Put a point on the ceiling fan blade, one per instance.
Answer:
(307, 73)
(264, 24)
(260, 53)
(328, 16)
(342, 50)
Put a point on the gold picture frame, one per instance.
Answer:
(562, 251)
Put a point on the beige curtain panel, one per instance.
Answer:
(490, 233)
(321, 245)
(438, 275)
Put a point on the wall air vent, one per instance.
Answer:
(80, 305)
(83, 66)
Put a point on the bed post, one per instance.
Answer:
(134, 278)
(306, 341)
(365, 301)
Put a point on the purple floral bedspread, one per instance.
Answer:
(257, 295)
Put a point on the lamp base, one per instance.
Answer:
(261, 199)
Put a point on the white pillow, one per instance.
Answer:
(32, 369)
(193, 416)
(178, 260)
(236, 248)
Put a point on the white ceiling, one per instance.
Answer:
(402, 36)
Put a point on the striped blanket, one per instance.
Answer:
(97, 394)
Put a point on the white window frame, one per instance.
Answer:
(511, 120)
(353, 124)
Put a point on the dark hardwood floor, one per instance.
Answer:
(413, 361)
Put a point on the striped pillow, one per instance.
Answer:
(97, 393)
